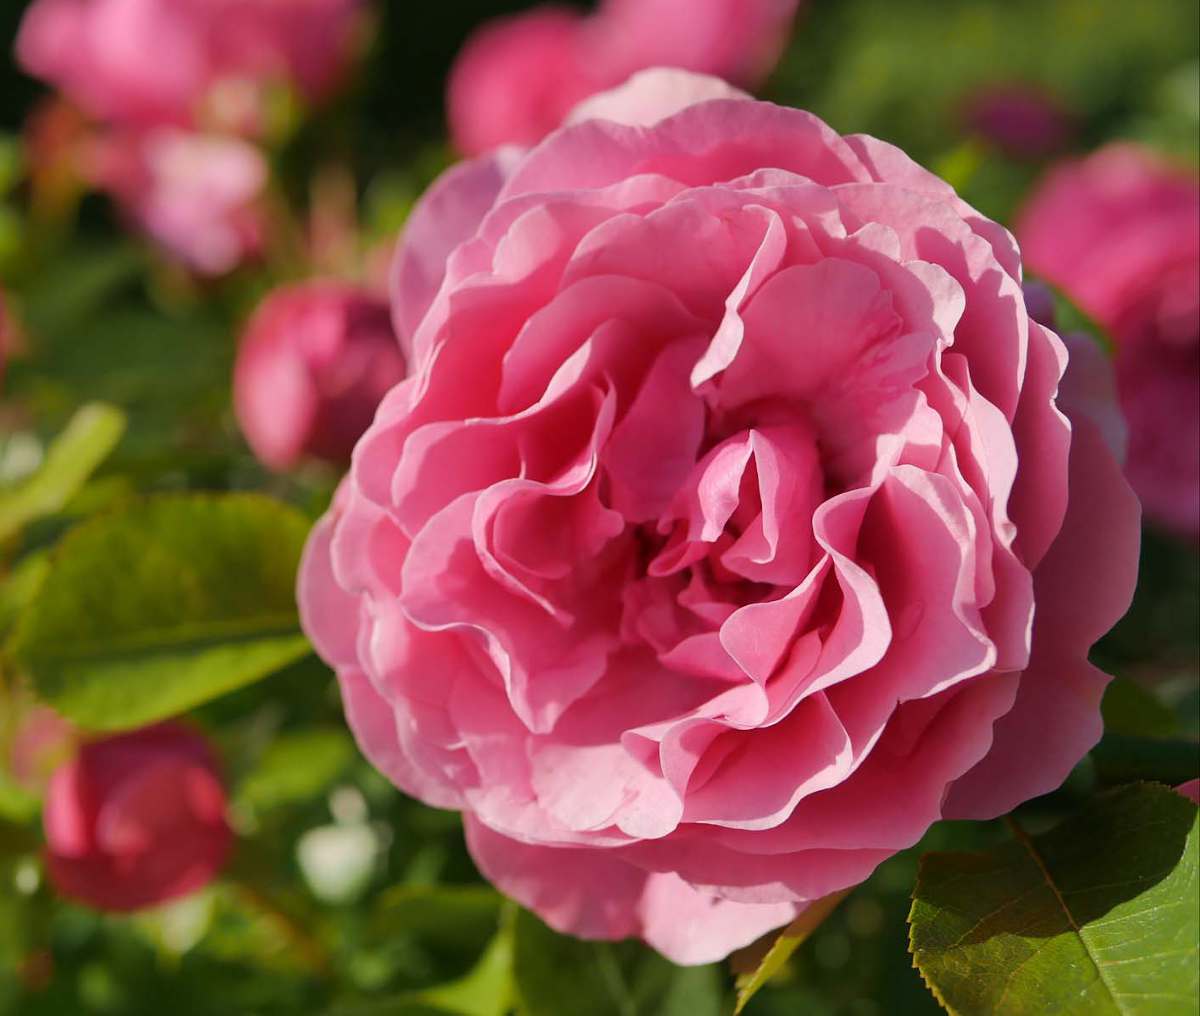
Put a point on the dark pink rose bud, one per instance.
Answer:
(1039, 302)
(1019, 120)
(314, 363)
(1190, 790)
(136, 819)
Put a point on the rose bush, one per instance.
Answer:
(728, 531)
(1120, 232)
(136, 819)
(315, 361)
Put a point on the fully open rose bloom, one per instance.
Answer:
(728, 532)
(1120, 232)
(518, 76)
(136, 819)
(178, 62)
(315, 360)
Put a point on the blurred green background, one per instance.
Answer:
(344, 896)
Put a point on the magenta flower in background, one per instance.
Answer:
(136, 819)
(518, 77)
(729, 531)
(196, 195)
(1020, 120)
(312, 367)
(1119, 231)
(185, 63)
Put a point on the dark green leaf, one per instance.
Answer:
(1097, 916)
(162, 606)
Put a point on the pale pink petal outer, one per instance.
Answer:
(448, 214)
(652, 95)
(1082, 587)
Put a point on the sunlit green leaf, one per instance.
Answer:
(161, 606)
(1098, 916)
(73, 456)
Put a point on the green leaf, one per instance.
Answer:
(1097, 916)
(163, 605)
(74, 455)
(296, 767)
(605, 978)
(789, 940)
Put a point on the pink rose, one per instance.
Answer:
(196, 195)
(1120, 232)
(518, 77)
(136, 819)
(1190, 790)
(727, 532)
(315, 361)
(173, 62)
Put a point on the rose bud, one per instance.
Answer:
(196, 195)
(315, 360)
(1119, 232)
(153, 63)
(736, 525)
(136, 819)
(518, 77)
(1021, 121)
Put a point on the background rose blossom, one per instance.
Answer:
(166, 62)
(517, 77)
(315, 361)
(136, 819)
(724, 494)
(1119, 231)
(197, 195)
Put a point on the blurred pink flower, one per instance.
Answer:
(1190, 790)
(737, 40)
(313, 364)
(518, 77)
(163, 62)
(1119, 231)
(136, 819)
(729, 529)
(1019, 120)
(197, 195)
